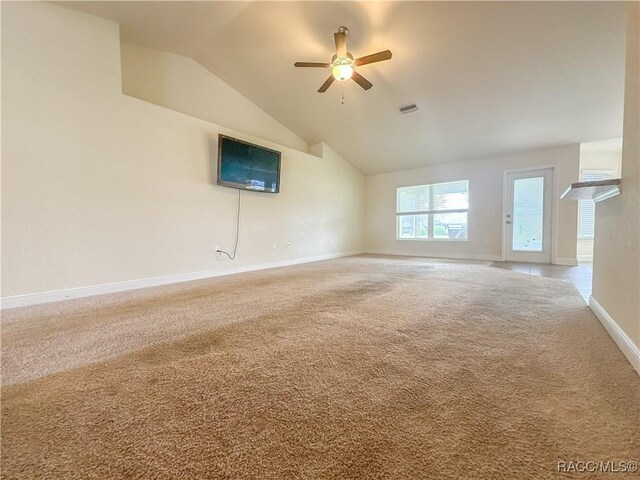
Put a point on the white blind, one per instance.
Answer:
(434, 198)
(451, 196)
(587, 208)
(413, 199)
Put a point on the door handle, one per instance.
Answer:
(508, 222)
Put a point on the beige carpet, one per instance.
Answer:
(356, 368)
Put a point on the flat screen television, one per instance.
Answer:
(247, 166)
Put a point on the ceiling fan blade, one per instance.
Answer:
(373, 58)
(326, 84)
(341, 44)
(312, 64)
(360, 80)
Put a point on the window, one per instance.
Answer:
(587, 208)
(433, 212)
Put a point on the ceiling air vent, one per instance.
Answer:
(407, 109)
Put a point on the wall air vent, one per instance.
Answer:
(407, 109)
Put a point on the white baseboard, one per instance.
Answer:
(453, 256)
(585, 258)
(566, 261)
(630, 349)
(79, 292)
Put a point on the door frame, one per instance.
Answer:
(554, 207)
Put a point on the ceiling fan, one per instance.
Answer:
(343, 64)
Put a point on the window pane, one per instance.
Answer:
(594, 175)
(528, 213)
(586, 208)
(450, 225)
(451, 196)
(413, 226)
(413, 199)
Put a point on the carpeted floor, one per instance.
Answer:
(356, 368)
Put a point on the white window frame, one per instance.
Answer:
(608, 173)
(430, 214)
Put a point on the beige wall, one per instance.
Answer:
(100, 187)
(485, 210)
(596, 160)
(616, 265)
(182, 84)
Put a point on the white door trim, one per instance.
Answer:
(554, 207)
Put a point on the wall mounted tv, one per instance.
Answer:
(247, 166)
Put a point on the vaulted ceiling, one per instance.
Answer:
(488, 78)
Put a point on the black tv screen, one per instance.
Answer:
(247, 166)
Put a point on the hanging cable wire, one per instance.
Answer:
(235, 248)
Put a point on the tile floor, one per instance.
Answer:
(579, 275)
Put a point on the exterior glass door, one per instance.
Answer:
(528, 216)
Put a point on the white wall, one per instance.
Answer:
(485, 210)
(616, 258)
(182, 84)
(100, 187)
(585, 249)
(596, 160)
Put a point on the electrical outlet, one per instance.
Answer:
(218, 253)
(288, 244)
(274, 246)
(331, 241)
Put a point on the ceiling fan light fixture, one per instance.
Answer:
(342, 73)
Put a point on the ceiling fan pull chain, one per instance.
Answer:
(342, 89)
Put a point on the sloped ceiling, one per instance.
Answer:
(489, 78)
